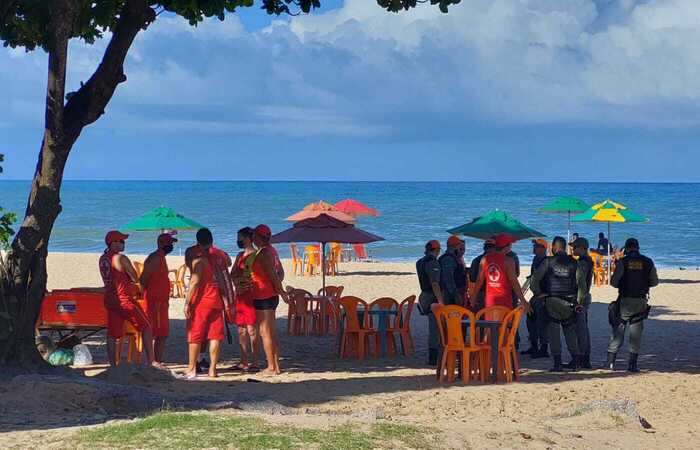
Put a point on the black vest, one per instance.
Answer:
(423, 278)
(635, 279)
(588, 267)
(460, 273)
(560, 280)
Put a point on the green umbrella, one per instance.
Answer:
(160, 219)
(493, 223)
(566, 205)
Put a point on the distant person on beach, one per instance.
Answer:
(559, 281)
(634, 275)
(476, 298)
(267, 275)
(604, 246)
(497, 274)
(453, 272)
(574, 236)
(537, 320)
(203, 306)
(156, 292)
(428, 271)
(119, 277)
(583, 336)
(245, 316)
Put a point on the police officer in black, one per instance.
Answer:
(560, 281)
(453, 272)
(537, 320)
(633, 276)
(583, 335)
(428, 271)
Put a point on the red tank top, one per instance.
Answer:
(262, 285)
(117, 283)
(158, 289)
(498, 291)
(239, 270)
(208, 295)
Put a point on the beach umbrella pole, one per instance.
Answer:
(323, 265)
(609, 255)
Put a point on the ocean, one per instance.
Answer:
(411, 212)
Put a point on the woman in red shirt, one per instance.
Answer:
(245, 320)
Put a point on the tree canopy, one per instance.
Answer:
(25, 23)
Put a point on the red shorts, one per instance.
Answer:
(126, 311)
(158, 316)
(245, 311)
(207, 324)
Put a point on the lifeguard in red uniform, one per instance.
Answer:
(156, 291)
(119, 277)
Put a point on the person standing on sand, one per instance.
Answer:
(267, 275)
(156, 291)
(497, 274)
(634, 275)
(476, 300)
(428, 271)
(537, 321)
(119, 279)
(203, 306)
(245, 319)
(583, 335)
(560, 282)
(453, 273)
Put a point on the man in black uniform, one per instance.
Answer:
(537, 321)
(562, 284)
(633, 277)
(453, 272)
(583, 336)
(428, 270)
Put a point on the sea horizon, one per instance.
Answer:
(412, 211)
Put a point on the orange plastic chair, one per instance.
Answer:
(333, 259)
(449, 319)
(300, 315)
(312, 260)
(508, 362)
(333, 293)
(403, 325)
(177, 286)
(353, 332)
(297, 261)
(491, 313)
(599, 273)
(386, 304)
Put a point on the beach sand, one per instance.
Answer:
(542, 410)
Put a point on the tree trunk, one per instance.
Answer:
(24, 279)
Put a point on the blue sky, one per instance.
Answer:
(601, 90)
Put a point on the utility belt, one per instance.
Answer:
(615, 316)
(571, 300)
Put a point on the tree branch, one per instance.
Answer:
(88, 103)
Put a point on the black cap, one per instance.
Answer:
(579, 242)
(631, 243)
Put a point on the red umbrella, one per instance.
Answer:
(356, 208)
(313, 210)
(323, 229)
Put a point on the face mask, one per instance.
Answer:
(167, 249)
(240, 243)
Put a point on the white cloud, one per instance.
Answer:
(361, 72)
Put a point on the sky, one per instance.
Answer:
(509, 90)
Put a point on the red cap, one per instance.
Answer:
(114, 236)
(263, 231)
(454, 241)
(166, 239)
(432, 245)
(504, 240)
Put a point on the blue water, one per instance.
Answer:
(412, 213)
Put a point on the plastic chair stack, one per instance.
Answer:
(333, 294)
(300, 312)
(297, 261)
(312, 260)
(177, 286)
(449, 319)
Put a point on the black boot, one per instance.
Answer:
(575, 363)
(432, 357)
(557, 367)
(610, 363)
(541, 353)
(632, 367)
(586, 362)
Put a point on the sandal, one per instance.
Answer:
(239, 368)
(251, 369)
